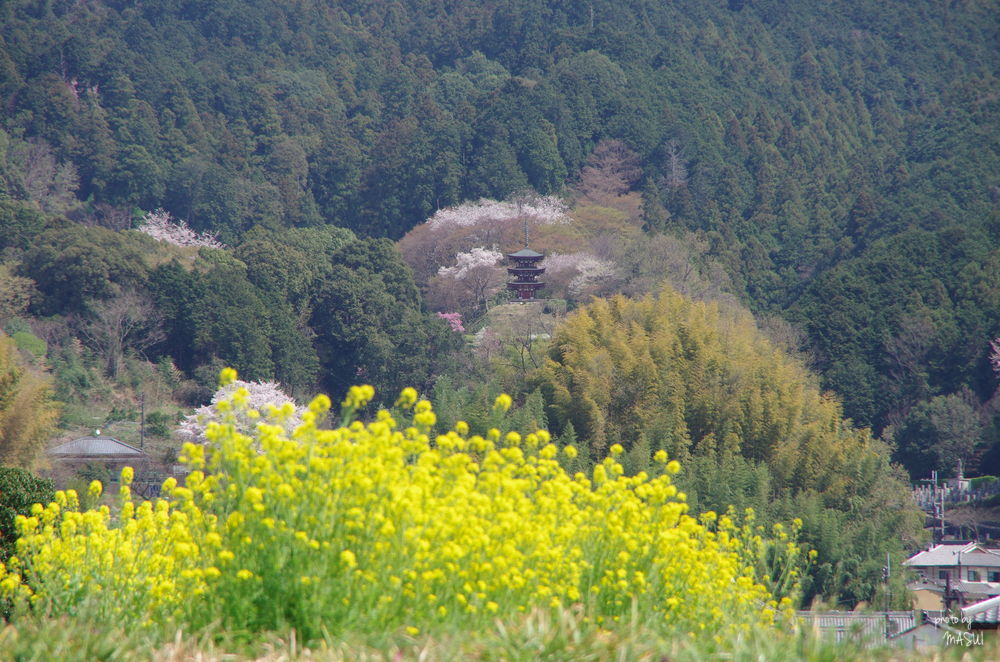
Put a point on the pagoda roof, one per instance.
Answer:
(96, 447)
(525, 252)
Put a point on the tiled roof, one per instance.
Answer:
(926, 586)
(525, 252)
(977, 588)
(968, 554)
(987, 611)
(860, 624)
(95, 447)
(964, 587)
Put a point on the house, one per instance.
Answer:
(965, 573)
(901, 629)
(101, 451)
(865, 626)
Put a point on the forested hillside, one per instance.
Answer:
(838, 159)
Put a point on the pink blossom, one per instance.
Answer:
(454, 320)
(260, 395)
(160, 225)
(549, 209)
(581, 274)
(470, 261)
(593, 274)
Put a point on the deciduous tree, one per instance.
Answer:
(612, 169)
(125, 322)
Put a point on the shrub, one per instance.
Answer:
(19, 490)
(158, 423)
(29, 342)
(982, 481)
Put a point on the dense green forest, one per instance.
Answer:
(830, 166)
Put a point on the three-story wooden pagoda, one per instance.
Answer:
(525, 271)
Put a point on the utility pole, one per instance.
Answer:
(142, 421)
(886, 576)
(941, 514)
(938, 507)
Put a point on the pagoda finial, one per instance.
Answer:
(525, 231)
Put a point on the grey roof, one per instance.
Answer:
(929, 633)
(525, 252)
(987, 611)
(859, 624)
(976, 588)
(967, 554)
(965, 587)
(922, 585)
(96, 447)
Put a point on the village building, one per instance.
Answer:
(97, 452)
(954, 574)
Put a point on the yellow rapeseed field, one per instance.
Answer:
(374, 526)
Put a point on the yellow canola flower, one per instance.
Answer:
(467, 529)
(348, 559)
(227, 376)
(407, 397)
(503, 403)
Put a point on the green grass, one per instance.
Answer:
(538, 636)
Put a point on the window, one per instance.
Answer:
(972, 575)
(994, 576)
(943, 574)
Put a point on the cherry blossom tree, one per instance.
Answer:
(595, 277)
(542, 209)
(470, 282)
(560, 269)
(580, 275)
(454, 321)
(160, 225)
(453, 230)
(487, 344)
(262, 397)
